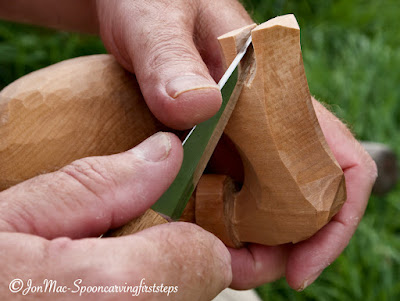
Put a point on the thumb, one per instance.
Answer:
(173, 78)
(92, 195)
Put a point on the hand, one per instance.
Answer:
(172, 48)
(161, 41)
(165, 40)
(45, 222)
(303, 262)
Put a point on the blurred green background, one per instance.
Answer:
(352, 59)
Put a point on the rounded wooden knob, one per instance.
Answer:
(214, 205)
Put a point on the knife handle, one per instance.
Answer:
(148, 219)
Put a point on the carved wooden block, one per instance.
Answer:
(81, 107)
(292, 182)
(290, 185)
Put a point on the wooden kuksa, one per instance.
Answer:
(292, 182)
(288, 183)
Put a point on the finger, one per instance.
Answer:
(257, 264)
(91, 195)
(309, 258)
(191, 263)
(216, 18)
(158, 46)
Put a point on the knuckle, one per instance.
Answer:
(92, 175)
(66, 249)
(167, 50)
(56, 246)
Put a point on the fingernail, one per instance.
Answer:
(154, 149)
(188, 83)
(308, 281)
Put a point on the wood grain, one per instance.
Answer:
(148, 219)
(292, 183)
(82, 107)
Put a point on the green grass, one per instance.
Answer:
(352, 62)
(24, 49)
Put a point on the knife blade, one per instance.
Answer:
(200, 143)
(198, 147)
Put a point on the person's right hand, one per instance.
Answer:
(46, 224)
(172, 48)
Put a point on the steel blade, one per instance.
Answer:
(200, 143)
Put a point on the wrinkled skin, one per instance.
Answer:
(85, 199)
(159, 41)
(176, 58)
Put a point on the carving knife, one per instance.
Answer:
(198, 147)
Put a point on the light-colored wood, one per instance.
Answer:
(214, 197)
(189, 214)
(292, 183)
(148, 219)
(290, 186)
(82, 107)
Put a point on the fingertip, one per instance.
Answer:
(302, 285)
(309, 258)
(176, 148)
(160, 147)
(182, 109)
(225, 259)
(188, 83)
(258, 264)
(191, 246)
(220, 257)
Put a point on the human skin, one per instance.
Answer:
(49, 227)
(171, 47)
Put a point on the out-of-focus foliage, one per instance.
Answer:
(24, 49)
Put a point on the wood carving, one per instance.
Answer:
(149, 219)
(82, 107)
(292, 182)
(289, 182)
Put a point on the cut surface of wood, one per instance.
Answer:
(292, 183)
